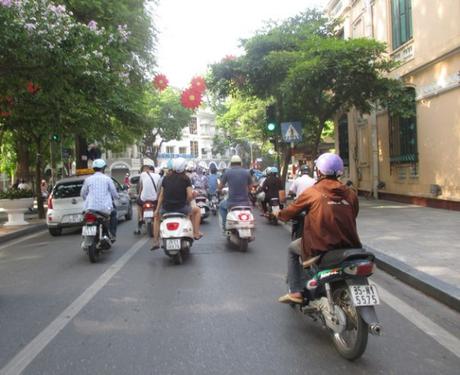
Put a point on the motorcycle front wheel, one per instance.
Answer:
(352, 342)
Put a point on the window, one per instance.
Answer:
(192, 127)
(194, 148)
(182, 150)
(401, 20)
(343, 140)
(170, 149)
(403, 137)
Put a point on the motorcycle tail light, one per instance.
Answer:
(172, 226)
(365, 268)
(50, 202)
(243, 217)
(148, 205)
(90, 218)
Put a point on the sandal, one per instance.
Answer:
(288, 298)
(196, 238)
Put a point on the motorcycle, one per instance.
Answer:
(176, 232)
(240, 227)
(337, 292)
(213, 204)
(148, 209)
(95, 234)
(202, 202)
(273, 210)
(253, 195)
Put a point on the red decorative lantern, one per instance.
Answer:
(160, 82)
(32, 88)
(198, 84)
(191, 98)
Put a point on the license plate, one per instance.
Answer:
(275, 209)
(172, 244)
(244, 233)
(77, 218)
(364, 295)
(148, 214)
(89, 230)
(203, 210)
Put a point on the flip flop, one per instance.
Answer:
(196, 238)
(287, 298)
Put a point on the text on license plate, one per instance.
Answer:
(77, 218)
(203, 210)
(364, 295)
(173, 244)
(276, 209)
(148, 214)
(244, 233)
(89, 230)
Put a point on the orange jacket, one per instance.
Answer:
(330, 222)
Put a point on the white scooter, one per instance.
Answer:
(176, 232)
(240, 226)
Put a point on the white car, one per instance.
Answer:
(65, 206)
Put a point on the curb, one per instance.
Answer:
(439, 290)
(22, 232)
(431, 286)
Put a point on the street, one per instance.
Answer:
(134, 312)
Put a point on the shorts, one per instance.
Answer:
(186, 210)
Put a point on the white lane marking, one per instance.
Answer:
(21, 360)
(439, 334)
(446, 339)
(9, 244)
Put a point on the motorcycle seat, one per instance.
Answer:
(172, 214)
(334, 258)
(241, 208)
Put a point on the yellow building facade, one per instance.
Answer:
(411, 160)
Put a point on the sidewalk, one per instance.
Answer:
(10, 233)
(419, 245)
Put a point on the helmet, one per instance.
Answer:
(304, 169)
(99, 164)
(274, 170)
(149, 163)
(330, 164)
(190, 166)
(268, 171)
(235, 159)
(179, 165)
(169, 164)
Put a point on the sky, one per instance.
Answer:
(195, 33)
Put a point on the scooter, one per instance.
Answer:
(214, 203)
(240, 227)
(202, 202)
(95, 234)
(176, 232)
(273, 210)
(148, 209)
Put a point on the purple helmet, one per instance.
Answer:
(330, 164)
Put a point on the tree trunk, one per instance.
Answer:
(317, 139)
(23, 154)
(38, 178)
(81, 152)
(286, 161)
(156, 151)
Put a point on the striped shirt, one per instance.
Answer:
(98, 191)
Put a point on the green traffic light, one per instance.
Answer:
(271, 127)
(55, 137)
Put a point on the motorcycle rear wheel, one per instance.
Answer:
(149, 228)
(177, 259)
(243, 244)
(93, 253)
(352, 342)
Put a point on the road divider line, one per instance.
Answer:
(23, 359)
(22, 239)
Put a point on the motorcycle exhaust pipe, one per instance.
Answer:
(375, 329)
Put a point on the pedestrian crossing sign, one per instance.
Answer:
(291, 131)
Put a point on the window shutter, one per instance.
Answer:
(395, 23)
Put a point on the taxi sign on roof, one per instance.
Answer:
(84, 171)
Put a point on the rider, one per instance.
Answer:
(176, 193)
(99, 192)
(200, 180)
(271, 186)
(213, 180)
(330, 222)
(239, 182)
(301, 183)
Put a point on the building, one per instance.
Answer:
(411, 160)
(195, 144)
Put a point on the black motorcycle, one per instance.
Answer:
(95, 234)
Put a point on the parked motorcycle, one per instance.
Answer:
(95, 234)
(240, 226)
(176, 232)
(202, 202)
(338, 293)
(213, 204)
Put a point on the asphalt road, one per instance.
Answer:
(137, 313)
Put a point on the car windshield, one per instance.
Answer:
(68, 189)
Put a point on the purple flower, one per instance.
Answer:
(30, 26)
(92, 25)
(6, 3)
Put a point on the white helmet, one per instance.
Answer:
(190, 166)
(235, 159)
(149, 163)
(99, 163)
(179, 165)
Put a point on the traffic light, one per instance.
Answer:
(55, 137)
(270, 116)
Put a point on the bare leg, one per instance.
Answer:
(156, 230)
(196, 220)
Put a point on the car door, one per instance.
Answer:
(122, 203)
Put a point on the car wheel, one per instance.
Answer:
(129, 214)
(55, 231)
